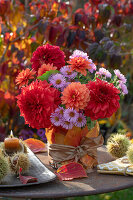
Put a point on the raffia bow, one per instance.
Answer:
(60, 152)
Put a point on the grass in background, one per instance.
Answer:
(120, 195)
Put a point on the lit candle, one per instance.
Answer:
(11, 143)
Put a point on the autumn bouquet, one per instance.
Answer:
(68, 99)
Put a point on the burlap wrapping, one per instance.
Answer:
(60, 152)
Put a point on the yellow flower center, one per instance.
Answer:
(56, 119)
(58, 81)
(69, 73)
(79, 119)
(72, 114)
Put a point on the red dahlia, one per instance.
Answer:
(36, 102)
(48, 54)
(104, 99)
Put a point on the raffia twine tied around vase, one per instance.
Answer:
(84, 153)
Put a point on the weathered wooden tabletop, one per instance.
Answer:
(94, 184)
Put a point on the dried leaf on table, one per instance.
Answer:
(35, 145)
(88, 161)
(26, 179)
(71, 171)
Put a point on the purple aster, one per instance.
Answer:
(92, 65)
(66, 71)
(59, 111)
(41, 132)
(67, 83)
(123, 87)
(25, 134)
(81, 120)
(71, 115)
(120, 75)
(105, 72)
(67, 125)
(57, 80)
(78, 53)
(56, 119)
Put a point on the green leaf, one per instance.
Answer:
(46, 75)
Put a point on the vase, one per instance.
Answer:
(74, 145)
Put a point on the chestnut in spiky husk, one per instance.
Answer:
(17, 161)
(130, 154)
(117, 145)
(4, 167)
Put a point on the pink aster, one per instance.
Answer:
(120, 75)
(78, 53)
(55, 119)
(66, 71)
(57, 80)
(105, 72)
(81, 120)
(67, 125)
(123, 87)
(71, 115)
(59, 111)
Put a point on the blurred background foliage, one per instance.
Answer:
(102, 28)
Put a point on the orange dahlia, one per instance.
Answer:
(76, 95)
(80, 64)
(24, 76)
(46, 67)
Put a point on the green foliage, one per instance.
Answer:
(47, 75)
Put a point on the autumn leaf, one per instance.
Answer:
(26, 179)
(35, 145)
(73, 137)
(94, 132)
(71, 171)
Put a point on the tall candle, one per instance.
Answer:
(11, 143)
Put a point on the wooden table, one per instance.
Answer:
(94, 184)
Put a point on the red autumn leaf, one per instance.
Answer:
(71, 171)
(26, 179)
(35, 145)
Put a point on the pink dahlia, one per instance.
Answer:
(76, 95)
(48, 54)
(36, 102)
(104, 99)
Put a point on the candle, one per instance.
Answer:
(11, 143)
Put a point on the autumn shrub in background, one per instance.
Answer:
(102, 28)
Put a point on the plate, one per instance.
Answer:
(37, 169)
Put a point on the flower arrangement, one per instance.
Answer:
(64, 99)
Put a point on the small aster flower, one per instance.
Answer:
(78, 53)
(92, 66)
(123, 87)
(41, 132)
(60, 111)
(81, 120)
(66, 71)
(105, 72)
(24, 76)
(120, 75)
(71, 115)
(55, 119)
(57, 80)
(67, 125)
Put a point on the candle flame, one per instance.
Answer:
(11, 134)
